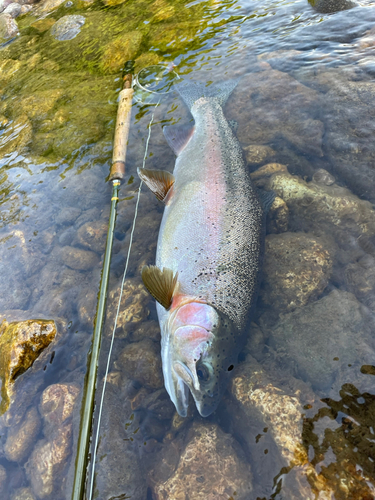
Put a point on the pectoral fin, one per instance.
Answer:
(159, 181)
(161, 284)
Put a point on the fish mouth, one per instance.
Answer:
(182, 397)
(206, 407)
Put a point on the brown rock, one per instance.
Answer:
(86, 306)
(323, 177)
(93, 235)
(56, 405)
(278, 216)
(260, 121)
(211, 467)
(147, 330)
(81, 260)
(22, 437)
(280, 412)
(296, 270)
(20, 345)
(318, 208)
(141, 361)
(46, 6)
(47, 462)
(268, 170)
(256, 154)
(268, 420)
(133, 309)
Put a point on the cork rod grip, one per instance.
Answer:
(121, 134)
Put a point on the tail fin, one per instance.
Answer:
(192, 91)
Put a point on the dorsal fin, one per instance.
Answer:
(161, 284)
(159, 181)
(178, 136)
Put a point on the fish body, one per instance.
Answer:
(211, 238)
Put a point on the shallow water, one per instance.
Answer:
(298, 420)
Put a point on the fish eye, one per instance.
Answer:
(230, 368)
(203, 373)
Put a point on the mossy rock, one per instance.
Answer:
(123, 48)
(16, 136)
(21, 343)
(38, 104)
(81, 118)
(85, 51)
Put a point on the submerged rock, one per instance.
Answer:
(134, 308)
(323, 339)
(67, 27)
(20, 345)
(3, 478)
(327, 6)
(37, 105)
(320, 208)
(13, 9)
(348, 127)
(47, 462)
(80, 260)
(56, 405)
(257, 154)
(23, 494)
(269, 421)
(141, 361)
(8, 26)
(261, 122)
(16, 135)
(278, 216)
(211, 467)
(123, 48)
(46, 6)
(22, 437)
(360, 280)
(323, 177)
(296, 270)
(118, 472)
(93, 235)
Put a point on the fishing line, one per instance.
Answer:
(118, 309)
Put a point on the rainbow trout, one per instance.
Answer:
(209, 252)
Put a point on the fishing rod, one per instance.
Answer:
(117, 173)
(148, 86)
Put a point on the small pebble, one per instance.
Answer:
(25, 9)
(323, 177)
(13, 9)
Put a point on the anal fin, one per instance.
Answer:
(160, 284)
(159, 181)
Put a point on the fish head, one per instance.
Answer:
(197, 356)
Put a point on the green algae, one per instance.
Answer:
(68, 89)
